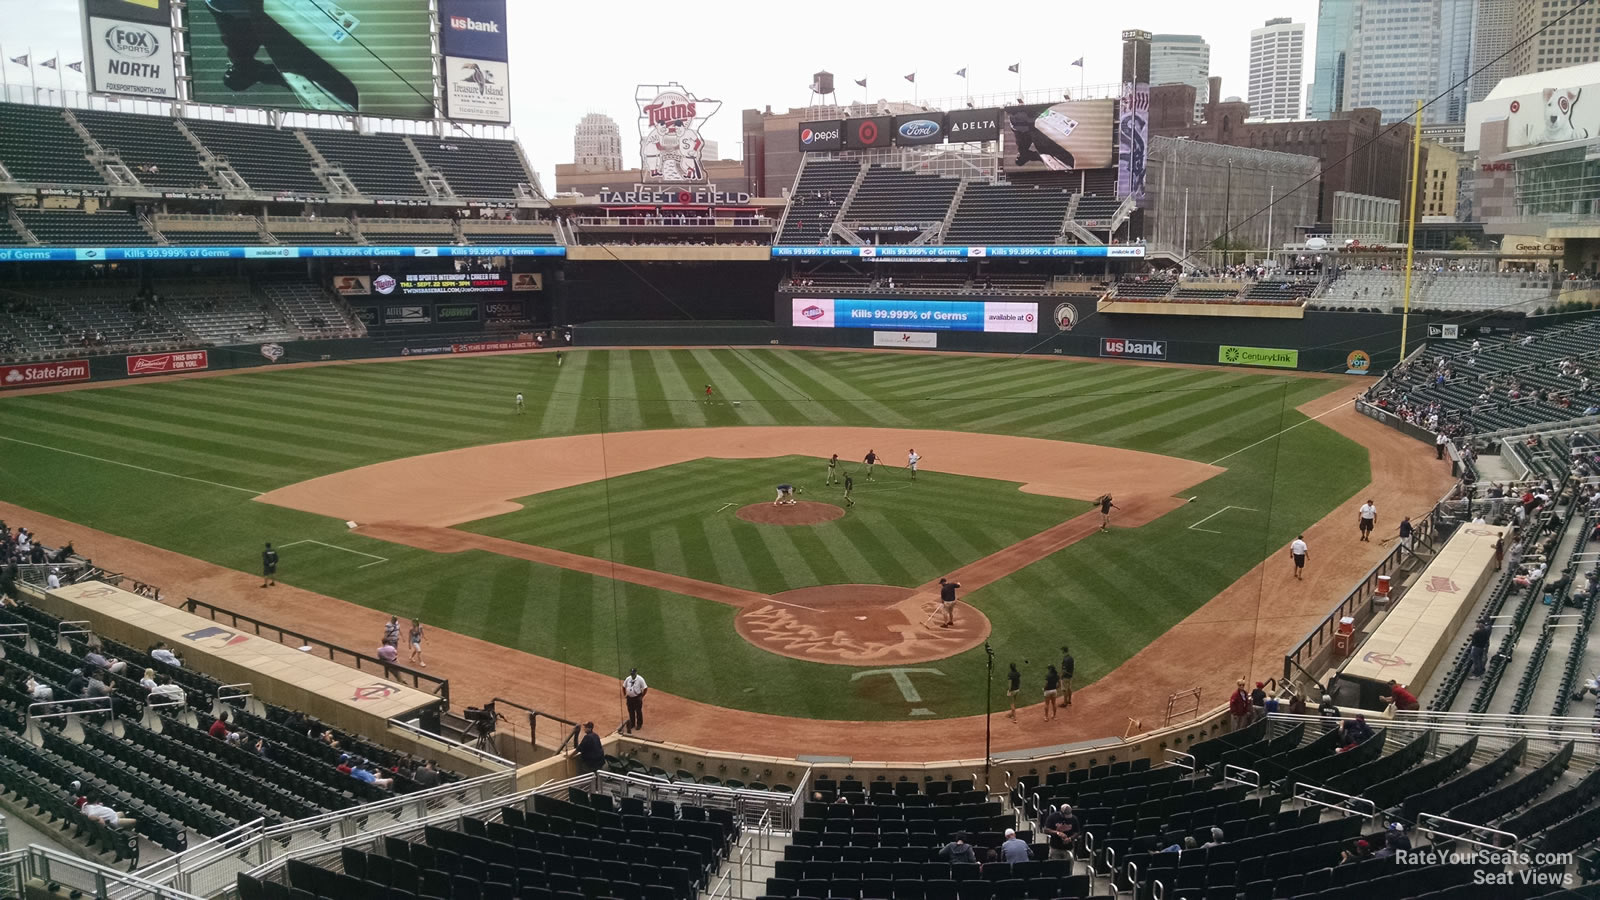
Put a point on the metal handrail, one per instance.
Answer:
(457, 746)
(49, 865)
(1177, 758)
(241, 696)
(85, 705)
(454, 787)
(1424, 818)
(62, 630)
(162, 870)
(1240, 775)
(1308, 793)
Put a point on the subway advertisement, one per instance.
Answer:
(372, 57)
(915, 315)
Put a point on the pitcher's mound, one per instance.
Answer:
(859, 624)
(801, 512)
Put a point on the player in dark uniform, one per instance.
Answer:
(871, 459)
(269, 566)
(849, 485)
(1013, 686)
(1106, 506)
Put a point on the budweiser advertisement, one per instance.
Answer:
(35, 374)
(163, 363)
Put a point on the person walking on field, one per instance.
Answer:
(849, 485)
(833, 467)
(269, 566)
(871, 460)
(521, 404)
(416, 643)
(1068, 667)
(633, 691)
(1106, 506)
(1013, 687)
(1297, 551)
(391, 632)
(911, 462)
(1052, 686)
(1369, 518)
(708, 393)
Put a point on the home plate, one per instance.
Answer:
(861, 618)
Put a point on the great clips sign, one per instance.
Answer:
(474, 29)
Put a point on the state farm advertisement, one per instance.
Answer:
(36, 374)
(164, 363)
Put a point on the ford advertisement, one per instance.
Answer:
(919, 128)
(915, 315)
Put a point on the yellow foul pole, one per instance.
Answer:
(1411, 222)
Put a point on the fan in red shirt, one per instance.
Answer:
(219, 729)
(1400, 697)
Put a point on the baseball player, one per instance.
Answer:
(833, 466)
(912, 458)
(849, 485)
(520, 403)
(871, 460)
(558, 359)
(708, 393)
(786, 494)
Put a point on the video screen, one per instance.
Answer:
(372, 57)
(1072, 134)
(915, 315)
(440, 283)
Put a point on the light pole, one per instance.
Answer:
(988, 708)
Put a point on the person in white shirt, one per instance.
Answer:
(95, 809)
(41, 692)
(1297, 550)
(1369, 518)
(163, 654)
(165, 691)
(521, 404)
(911, 462)
(53, 581)
(633, 690)
(148, 682)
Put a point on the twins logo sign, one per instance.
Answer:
(1066, 316)
(670, 145)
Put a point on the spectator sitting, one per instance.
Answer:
(591, 754)
(1216, 837)
(958, 850)
(165, 690)
(163, 654)
(39, 691)
(1362, 850)
(97, 660)
(427, 775)
(345, 767)
(1354, 732)
(94, 808)
(219, 729)
(148, 682)
(1014, 849)
(362, 773)
(1189, 843)
(77, 684)
(1400, 697)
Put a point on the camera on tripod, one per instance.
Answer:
(481, 720)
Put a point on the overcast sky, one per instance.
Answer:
(572, 58)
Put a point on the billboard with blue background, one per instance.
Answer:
(915, 315)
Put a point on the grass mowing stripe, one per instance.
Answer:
(774, 396)
(127, 465)
(750, 411)
(672, 383)
(821, 385)
(148, 448)
(561, 409)
(623, 414)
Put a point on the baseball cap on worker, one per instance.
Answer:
(1011, 832)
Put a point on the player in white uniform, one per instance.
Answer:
(520, 404)
(911, 462)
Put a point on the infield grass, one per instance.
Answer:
(231, 437)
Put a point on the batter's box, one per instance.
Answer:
(1215, 521)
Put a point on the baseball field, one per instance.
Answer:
(608, 525)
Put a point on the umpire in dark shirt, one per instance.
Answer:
(269, 566)
(591, 755)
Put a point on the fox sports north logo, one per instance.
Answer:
(131, 40)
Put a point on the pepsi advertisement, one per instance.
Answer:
(864, 134)
(821, 135)
(475, 29)
(915, 315)
(919, 128)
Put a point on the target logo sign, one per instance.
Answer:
(867, 133)
(1516, 106)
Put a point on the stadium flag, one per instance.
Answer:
(20, 60)
(1078, 62)
(861, 82)
(76, 66)
(49, 63)
(1015, 68)
(961, 73)
(912, 78)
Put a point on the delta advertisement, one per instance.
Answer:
(1071, 134)
(368, 57)
(915, 315)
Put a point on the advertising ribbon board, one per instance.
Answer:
(35, 374)
(166, 363)
(919, 340)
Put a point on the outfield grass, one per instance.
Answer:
(679, 519)
(238, 435)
